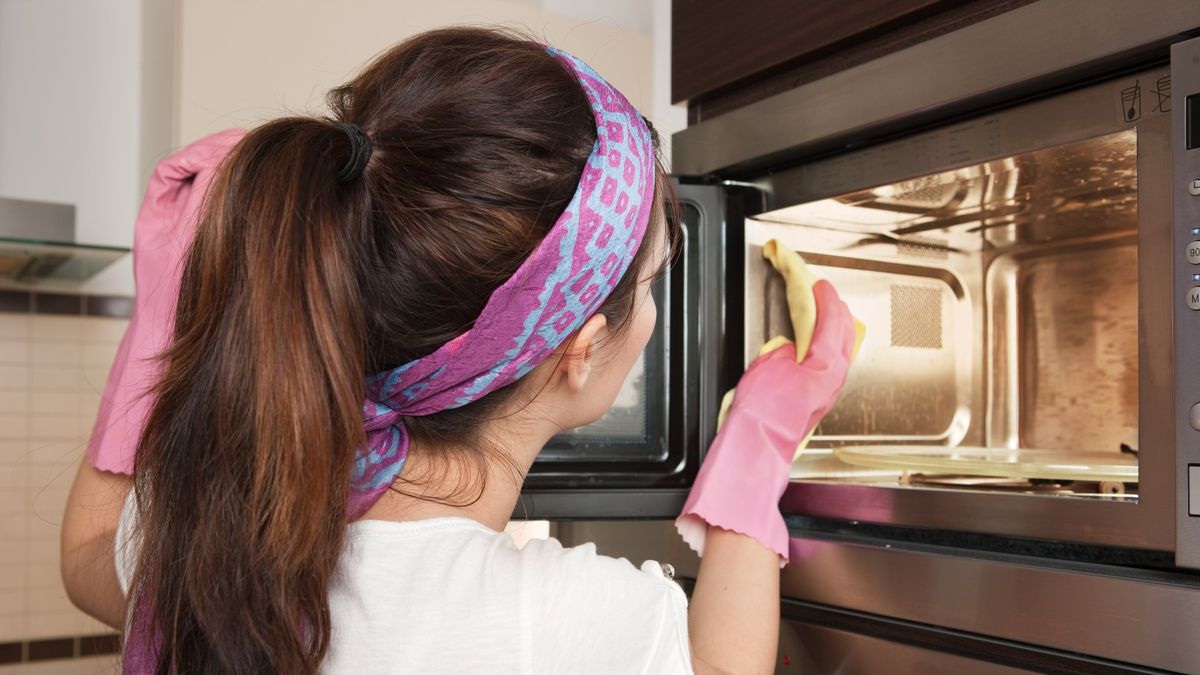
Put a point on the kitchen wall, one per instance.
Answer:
(96, 92)
(55, 352)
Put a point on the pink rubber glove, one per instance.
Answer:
(163, 233)
(777, 405)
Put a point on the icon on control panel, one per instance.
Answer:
(1131, 102)
(1162, 91)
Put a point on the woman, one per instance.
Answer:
(470, 240)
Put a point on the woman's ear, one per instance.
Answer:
(576, 363)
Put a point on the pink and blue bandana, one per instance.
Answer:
(554, 291)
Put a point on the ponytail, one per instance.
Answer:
(243, 469)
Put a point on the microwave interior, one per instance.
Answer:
(1000, 302)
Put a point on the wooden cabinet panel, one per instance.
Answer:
(717, 43)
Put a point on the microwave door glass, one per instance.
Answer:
(633, 429)
(1001, 305)
(624, 424)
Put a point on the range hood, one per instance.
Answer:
(37, 244)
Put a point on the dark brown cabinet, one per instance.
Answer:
(726, 54)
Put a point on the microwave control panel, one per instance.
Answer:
(1185, 135)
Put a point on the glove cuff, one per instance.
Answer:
(739, 492)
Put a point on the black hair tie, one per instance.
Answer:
(360, 152)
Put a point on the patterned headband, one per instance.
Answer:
(555, 290)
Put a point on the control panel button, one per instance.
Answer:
(1194, 417)
(1194, 186)
(1193, 490)
(1193, 297)
(1193, 253)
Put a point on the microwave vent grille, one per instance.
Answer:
(929, 193)
(916, 316)
(929, 248)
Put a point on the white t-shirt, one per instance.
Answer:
(449, 595)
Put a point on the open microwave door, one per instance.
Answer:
(638, 461)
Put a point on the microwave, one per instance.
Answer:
(1013, 211)
(1029, 277)
(1012, 472)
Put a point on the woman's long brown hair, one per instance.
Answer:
(295, 288)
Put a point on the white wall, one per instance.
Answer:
(667, 118)
(244, 62)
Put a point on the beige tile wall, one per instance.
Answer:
(52, 374)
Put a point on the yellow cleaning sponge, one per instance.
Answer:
(802, 305)
(802, 311)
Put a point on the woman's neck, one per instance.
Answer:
(441, 484)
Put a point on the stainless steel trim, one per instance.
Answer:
(815, 650)
(1151, 623)
(28, 220)
(1026, 44)
(1066, 118)
(1148, 524)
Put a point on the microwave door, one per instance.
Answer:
(638, 460)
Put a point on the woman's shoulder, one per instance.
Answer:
(542, 560)
(579, 581)
(584, 564)
(544, 563)
(605, 611)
